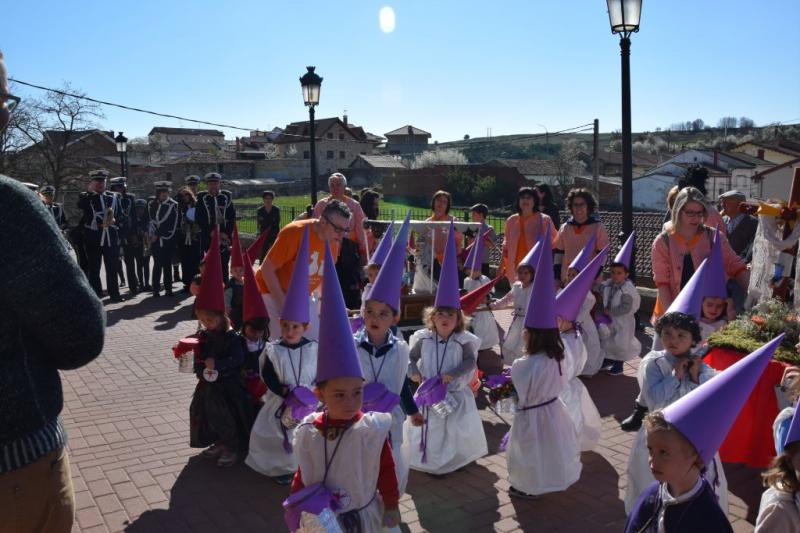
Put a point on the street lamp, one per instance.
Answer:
(310, 82)
(624, 18)
(122, 150)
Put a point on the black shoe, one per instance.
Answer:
(156, 295)
(516, 493)
(117, 299)
(168, 293)
(146, 287)
(634, 421)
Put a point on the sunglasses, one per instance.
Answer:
(337, 229)
(11, 102)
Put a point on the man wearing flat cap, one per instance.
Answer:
(741, 226)
(215, 208)
(192, 182)
(101, 213)
(127, 203)
(164, 219)
(48, 193)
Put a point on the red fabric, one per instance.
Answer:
(253, 304)
(212, 288)
(387, 478)
(750, 440)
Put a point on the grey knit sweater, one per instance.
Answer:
(51, 320)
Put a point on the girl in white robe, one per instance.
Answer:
(456, 439)
(576, 398)
(293, 365)
(661, 386)
(543, 452)
(518, 298)
(483, 323)
(621, 302)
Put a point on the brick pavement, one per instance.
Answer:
(127, 418)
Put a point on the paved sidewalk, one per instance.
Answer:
(127, 419)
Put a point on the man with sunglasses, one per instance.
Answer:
(353, 254)
(276, 270)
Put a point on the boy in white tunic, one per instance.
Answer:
(451, 437)
(620, 303)
(664, 377)
(343, 449)
(384, 357)
(543, 453)
(287, 366)
(482, 320)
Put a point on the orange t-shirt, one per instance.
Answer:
(284, 251)
(522, 244)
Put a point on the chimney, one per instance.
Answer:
(344, 118)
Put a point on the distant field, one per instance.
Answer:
(247, 222)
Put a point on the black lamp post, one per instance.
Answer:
(624, 18)
(311, 83)
(122, 150)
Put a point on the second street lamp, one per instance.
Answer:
(624, 15)
(122, 150)
(311, 82)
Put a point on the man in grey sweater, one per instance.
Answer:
(51, 320)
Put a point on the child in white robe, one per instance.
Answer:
(620, 303)
(518, 298)
(483, 323)
(580, 406)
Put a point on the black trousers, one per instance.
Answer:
(162, 262)
(142, 266)
(348, 270)
(76, 238)
(129, 254)
(108, 256)
(190, 259)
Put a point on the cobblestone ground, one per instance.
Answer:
(127, 418)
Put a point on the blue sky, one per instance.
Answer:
(449, 67)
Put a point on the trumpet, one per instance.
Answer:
(109, 219)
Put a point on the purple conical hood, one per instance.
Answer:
(541, 312)
(690, 299)
(337, 356)
(447, 291)
(626, 252)
(706, 414)
(474, 259)
(295, 306)
(532, 257)
(793, 434)
(585, 255)
(382, 250)
(715, 278)
(570, 300)
(387, 285)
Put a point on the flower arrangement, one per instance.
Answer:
(761, 324)
(500, 387)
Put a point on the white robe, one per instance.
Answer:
(543, 453)
(660, 388)
(267, 454)
(591, 339)
(779, 512)
(457, 439)
(575, 396)
(513, 346)
(390, 370)
(622, 344)
(355, 468)
(483, 323)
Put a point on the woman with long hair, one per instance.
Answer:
(522, 231)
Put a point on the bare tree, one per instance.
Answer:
(432, 158)
(12, 140)
(746, 123)
(568, 165)
(727, 122)
(51, 126)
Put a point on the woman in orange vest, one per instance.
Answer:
(522, 231)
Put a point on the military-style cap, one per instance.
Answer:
(141, 202)
(163, 185)
(48, 189)
(738, 195)
(119, 181)
(212, 176)
(98, 175)
(192, 180)
(31, 186)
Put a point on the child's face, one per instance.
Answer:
(618, 274)
(209, 319)
(378, 318)
(372, 272)
(713, 308)
(292, 331)
(794, 452)
(571, 273)
(268, 201)
(475, 274)
(342, 397)
(676, 341)
(445, 321)
(201, 268)
(477, 217)
(252, 334)
(673, 459)
(525, 275)
(237, 273)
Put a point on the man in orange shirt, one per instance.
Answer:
(276, 271)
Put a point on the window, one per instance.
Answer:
(305, 154)
(329, 135)
(341, 136)
(341, 154)
(329, 155)
(363, 153)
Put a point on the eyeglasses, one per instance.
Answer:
(694, 214)
(337, 229)
(11, 102)
(578, 204)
